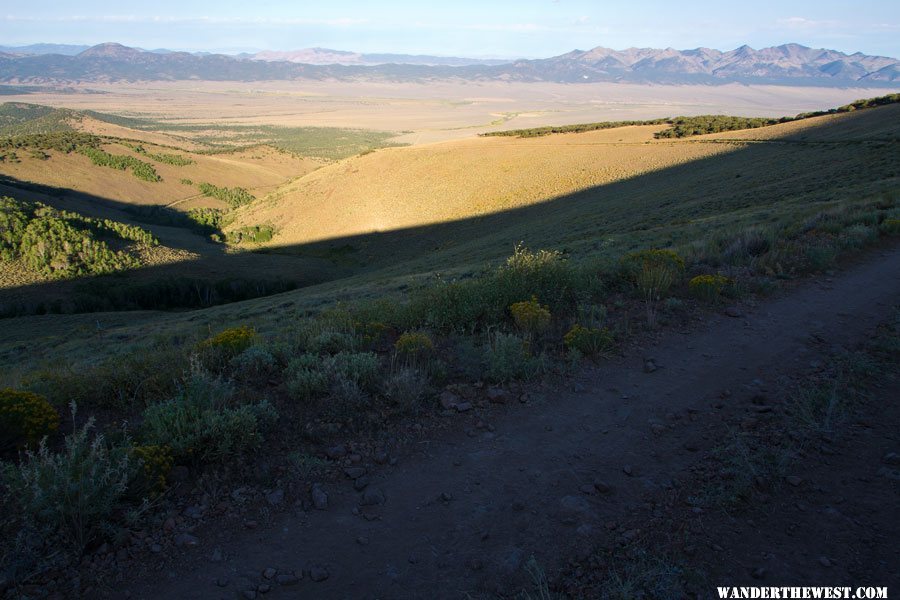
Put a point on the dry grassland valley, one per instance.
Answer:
(341, 325)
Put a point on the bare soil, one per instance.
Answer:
(604, 462)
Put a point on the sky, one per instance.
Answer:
(485, 28)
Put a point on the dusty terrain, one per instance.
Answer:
(436, 111)
(592, 465)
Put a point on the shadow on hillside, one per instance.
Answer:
(757, 182)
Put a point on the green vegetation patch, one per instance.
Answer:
(20, 118)
(330, 143)
(578, 128)
(233, 197)
(177, 160)
(102, 158)
(205, 221)
(60, 244)
(681, 127)
(67, 141)
(703, 124)
(256, 234)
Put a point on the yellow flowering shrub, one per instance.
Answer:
(530, 317)
(25, 418)
(232, 341)
(156, 463)
(707, 287)
(216, 352)
(588, 340)
(414, 344)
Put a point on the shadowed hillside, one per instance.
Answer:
(614, 180)
(772, 178)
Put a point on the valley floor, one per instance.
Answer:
(611, 463)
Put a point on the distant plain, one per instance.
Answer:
(435, 111)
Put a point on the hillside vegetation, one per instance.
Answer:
(448, 206)
(19, 118)
(61, 244)
(435, 191)
(328, 143)
(680, 127)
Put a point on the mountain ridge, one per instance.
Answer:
(787, 64)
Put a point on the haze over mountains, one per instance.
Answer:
(788, 64)
(325, 56)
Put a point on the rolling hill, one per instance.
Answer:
(458, 188)
(570, 192)
(374, 222)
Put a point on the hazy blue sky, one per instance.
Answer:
(461, 27)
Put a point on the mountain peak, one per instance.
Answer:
(110, 50)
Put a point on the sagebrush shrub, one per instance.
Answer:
(306, 378)
(858, 236)
(653, 272)
(530, 317)
(25, 419)
(588, 340)
(543, 274)
(406, 387)
(708, 287)
(72, 492)
(253, 364)
(482, 302)
(509, 358)
(358, 367)
(201, 424)
(345, 400)
(747, 245)
(136, 378)
(674, 304)
(330, 341)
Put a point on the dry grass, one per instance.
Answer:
(101, 128)
(407, 187)
(260, 170)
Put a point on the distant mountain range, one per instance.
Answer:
(324, 56)
(789, 64)
(65, 49)
(309, 56)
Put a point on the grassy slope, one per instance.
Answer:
(79, 184)
(679, 181)
(260, 170)
(727, 187)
